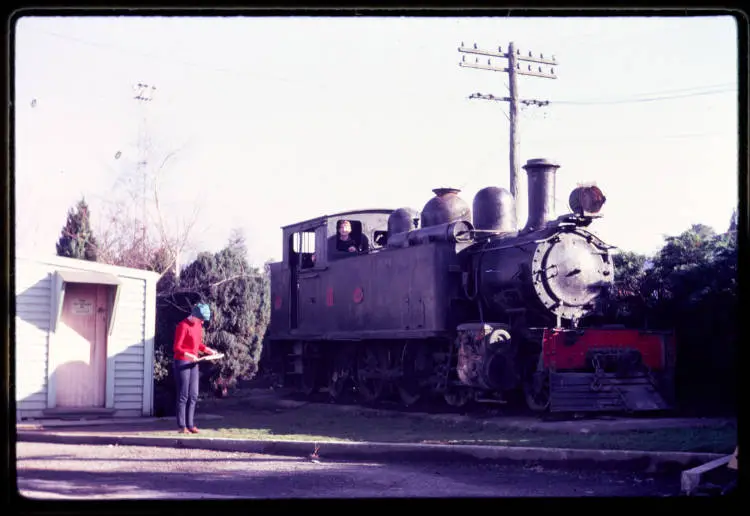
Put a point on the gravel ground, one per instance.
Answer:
(57, 471)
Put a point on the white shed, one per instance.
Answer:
(84, 339)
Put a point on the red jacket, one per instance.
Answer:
(188, 337)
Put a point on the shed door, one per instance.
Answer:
(81, 348)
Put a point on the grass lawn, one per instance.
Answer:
(316, 422)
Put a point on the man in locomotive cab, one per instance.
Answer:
(347, 242)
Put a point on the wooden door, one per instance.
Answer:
(81, 347)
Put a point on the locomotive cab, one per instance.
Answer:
(308, 251)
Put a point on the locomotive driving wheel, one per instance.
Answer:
(309, 383)
(342, 375)
(537, 392)
(458, 397)
(415, 364)
(372, 363)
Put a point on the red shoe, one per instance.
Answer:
(193, 430)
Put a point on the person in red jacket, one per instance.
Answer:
(188, 344)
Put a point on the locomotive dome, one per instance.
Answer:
(401, 220)
(493, 210)
(445, 207)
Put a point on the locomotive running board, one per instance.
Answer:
(584, 392)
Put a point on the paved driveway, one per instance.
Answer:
(55, 471)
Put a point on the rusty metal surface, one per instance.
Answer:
(445, 207)
(486, 357)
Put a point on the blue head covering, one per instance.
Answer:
(201, 311)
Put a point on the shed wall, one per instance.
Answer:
(129, 347)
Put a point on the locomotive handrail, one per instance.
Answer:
(456, 231)
(515, 244)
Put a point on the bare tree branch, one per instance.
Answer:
(229, 279)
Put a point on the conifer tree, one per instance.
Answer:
(77, 239)
(238, 295)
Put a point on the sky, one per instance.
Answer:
(275, 120)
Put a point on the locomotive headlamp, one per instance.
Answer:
(586, 200)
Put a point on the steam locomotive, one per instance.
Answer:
(458, 303)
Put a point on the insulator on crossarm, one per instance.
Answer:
(462, 44)
(552, 71)
(530, 54)
(540, 69)
(500, 50)
(529, 67)
(475, 45)
(488, 62)
(541, 56)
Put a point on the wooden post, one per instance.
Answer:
(513, 70)
(513, 144)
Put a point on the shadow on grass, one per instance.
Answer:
(324, 423)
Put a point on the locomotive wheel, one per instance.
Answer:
(408, 395)
(371, 361)
(309, 381)
(341, 376)
(415, 363)
(537, 392)
(458, 397)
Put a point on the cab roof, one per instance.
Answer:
(340, 214)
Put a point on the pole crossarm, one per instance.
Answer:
(519, 70)
(513, 69)
(541, 59)
(528, 102)
(482, 67)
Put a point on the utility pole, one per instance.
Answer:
(144, 93)
(513, 70)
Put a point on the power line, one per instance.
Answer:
(327, 85)
(638, 100)
(704, 87)
(174, 61)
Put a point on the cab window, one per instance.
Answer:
(302, 252)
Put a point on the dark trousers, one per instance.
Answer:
(186, 376)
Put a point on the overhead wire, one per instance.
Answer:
(206, 67)
(182, 62)
(638, 100)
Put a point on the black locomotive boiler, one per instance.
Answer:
(459, 302)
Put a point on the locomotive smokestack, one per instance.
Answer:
(541, 185)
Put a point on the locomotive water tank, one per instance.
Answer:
(493, 210)
(445, 207)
